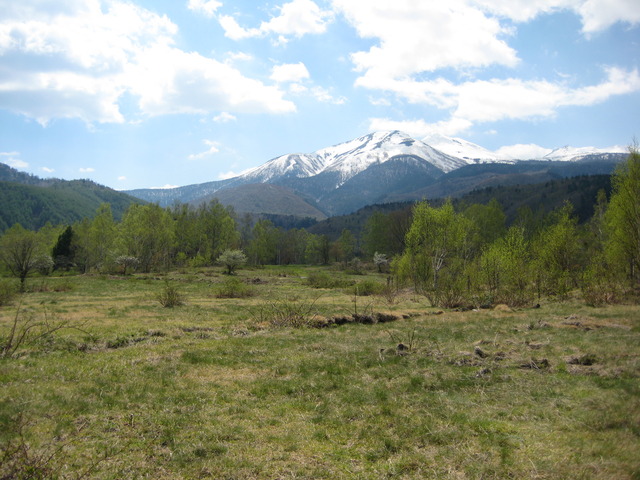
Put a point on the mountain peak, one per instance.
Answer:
(457, 147)
(568, 153)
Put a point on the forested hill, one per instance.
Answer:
(540, 198)
(32, 201)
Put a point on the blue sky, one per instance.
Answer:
(149, 93)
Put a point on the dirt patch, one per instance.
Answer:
(588, 323)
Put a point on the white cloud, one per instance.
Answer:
(224, 117)
(173, 81)
(416, 43)
(239, 57)
(213, 149)
(481, 101)
(296, 18)
(78, 61)
(12, 160)
(416, 37)
(599, 15)
(522, 151)
(122, 178)
(86, 170)
(289, 72)
(207, 7)
(524, 10)
(47, 169)
(323, 95)
(16, 163)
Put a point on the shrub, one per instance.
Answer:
(169, 297)
(7, 292)
(234, 288)
(286, 312)
(232, 259)
(127, 261)
(367, 287)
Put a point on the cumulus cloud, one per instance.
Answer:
(595, 15)
(47, 169)
(86, 170)
(599, 15)
(482, 101)
(296, 18)
(416, 45)
(289, 72)
(80, 59)
(479, 101)
(207, 7)
(416, 37)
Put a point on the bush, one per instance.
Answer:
(286, 312)
(232, 259)
(234, 288)
(7, 292)
(367, 287)
(169, 297)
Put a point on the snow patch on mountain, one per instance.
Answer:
(568, 154)
(299, 165)
(346, 160)
(356, 156)
(457, 147)
(350, 158)
(521, 151)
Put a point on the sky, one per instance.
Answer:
(156, 93)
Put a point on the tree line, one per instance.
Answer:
(454, 256)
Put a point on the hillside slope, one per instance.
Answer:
(32, 201)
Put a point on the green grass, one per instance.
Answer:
(212, 390)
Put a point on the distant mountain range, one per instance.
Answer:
(381, 167)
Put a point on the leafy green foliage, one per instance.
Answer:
(437, 252)
(19, 250)
(623, 217)
(7, 292)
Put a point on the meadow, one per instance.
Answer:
(265, 376)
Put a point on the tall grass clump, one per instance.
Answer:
(234, 288)
(170, 297)
(367, 287)
(8, 292)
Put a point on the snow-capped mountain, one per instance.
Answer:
(384, 166)
(348, 159)
(292, 165)
(459, 148)
(572, 154)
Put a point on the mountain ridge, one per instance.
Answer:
(335, 177)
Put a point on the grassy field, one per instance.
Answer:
(272, 386)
